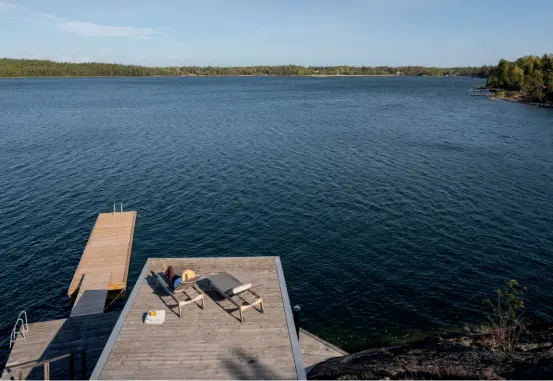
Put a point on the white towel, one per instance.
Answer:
(158, 319)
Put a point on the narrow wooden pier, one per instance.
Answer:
(108, 251)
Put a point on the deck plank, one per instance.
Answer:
(108, 250)
(204, 344)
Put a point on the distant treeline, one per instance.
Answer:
(44, 68)
(532, 76)
(482, 71)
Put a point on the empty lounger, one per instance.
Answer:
(236, 292)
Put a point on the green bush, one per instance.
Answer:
(505, 317)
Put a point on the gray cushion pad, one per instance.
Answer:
(224, 282)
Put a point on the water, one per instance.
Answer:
(396, 204)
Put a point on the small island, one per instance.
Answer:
(529, 79)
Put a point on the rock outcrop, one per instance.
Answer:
(454, 357)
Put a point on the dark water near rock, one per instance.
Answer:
(396, 204)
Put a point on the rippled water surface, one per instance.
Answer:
(395, 204)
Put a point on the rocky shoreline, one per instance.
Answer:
(526, 101)
(459, 356)
(508, 95)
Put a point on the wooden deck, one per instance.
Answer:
(315, 350)
(49, 339)
(209, 343)
(108, 250)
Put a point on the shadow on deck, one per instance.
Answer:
(51, 339)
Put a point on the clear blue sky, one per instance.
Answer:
(274, 32)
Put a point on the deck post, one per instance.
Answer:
(83, 365)
(72, 366)
(47, 370)
(296, 312)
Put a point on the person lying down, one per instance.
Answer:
(180, 281)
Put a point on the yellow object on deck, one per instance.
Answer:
(108, 250)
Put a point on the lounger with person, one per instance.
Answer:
(184, 285)
(239, 294)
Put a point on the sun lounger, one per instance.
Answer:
(239, 294)
(184, 288)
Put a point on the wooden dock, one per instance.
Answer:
(205, 344)
(108, 251)
(49, 339)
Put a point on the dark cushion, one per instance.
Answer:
(224, 282)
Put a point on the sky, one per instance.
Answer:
(277, 32)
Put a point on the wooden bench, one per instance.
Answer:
(161, 280)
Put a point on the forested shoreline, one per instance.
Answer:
(528, 79)
(10, 67)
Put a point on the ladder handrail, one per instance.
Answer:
(24, 327)
(24, 313)
(114, 208)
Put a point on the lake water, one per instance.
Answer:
(396, 204)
